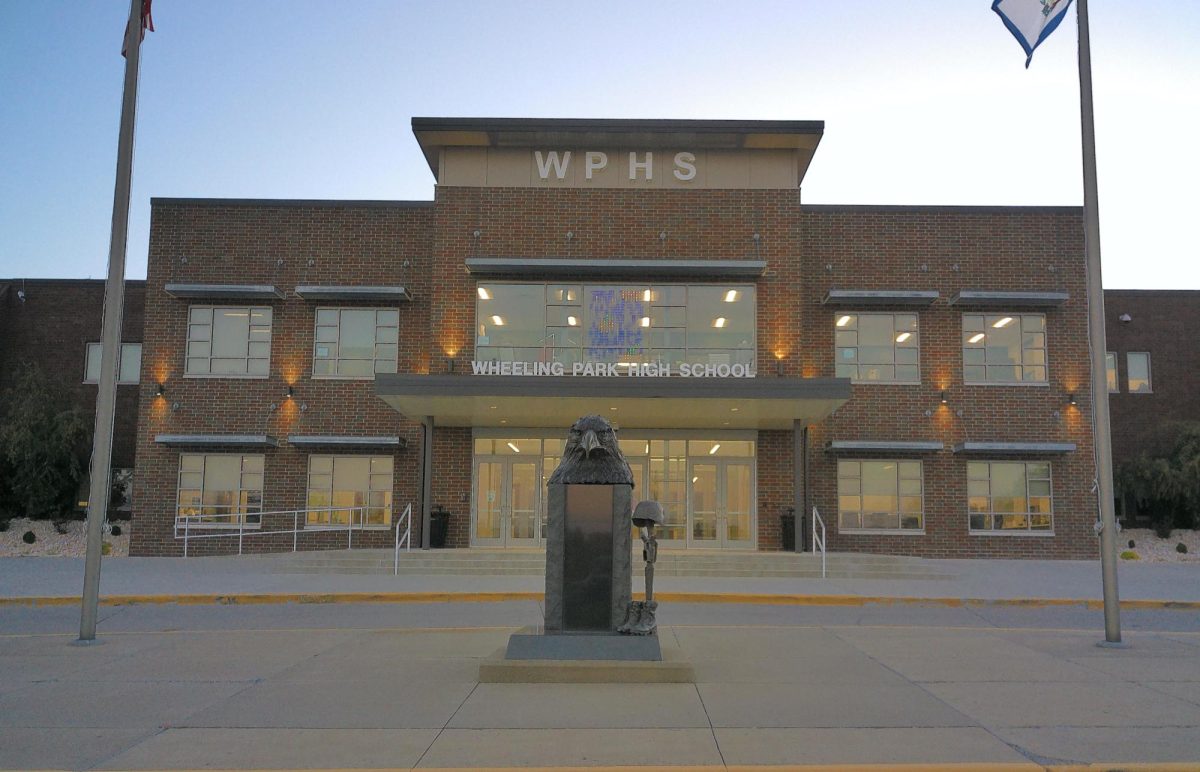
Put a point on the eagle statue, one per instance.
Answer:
(592, 456)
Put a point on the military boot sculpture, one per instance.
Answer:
(639, 617)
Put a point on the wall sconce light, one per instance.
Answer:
(290, 392)
(945, 399)
(450, 365)
(1071, 400)
(779, 367)
(160, 390)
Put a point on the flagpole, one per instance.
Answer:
(1102, 434)
(110, 339)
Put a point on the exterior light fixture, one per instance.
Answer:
(1071, 399)
(1003, 322)
(484, 294)
(1125, 318)
(731, 296)
(160, 390)
(945, 399)
(450, 364)
(844, 320)
(290, 393)
(719, 322)
(779, 367)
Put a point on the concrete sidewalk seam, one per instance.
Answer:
(765, 599)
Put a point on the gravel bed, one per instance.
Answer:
(51, 543)
(1152, 549)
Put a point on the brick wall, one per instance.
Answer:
(51, 328)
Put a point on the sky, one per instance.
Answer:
(924, 102)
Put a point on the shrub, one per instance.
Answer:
(1129, 555)
(116, 530)
(105, 548)
(61, 526)
(3, 524)
(1167, 486)
(29, 538)
(1181, 548)
(43, 443)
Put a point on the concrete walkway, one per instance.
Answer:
(983, 579)
(379, 687)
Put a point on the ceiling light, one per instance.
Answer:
(572, 321)
(975, 338)
(484, 294)
(496, 320)
(903, 337)
(694, 479)
(1003, 322)
(647, 448)
(731, 296)
(646, 296)
(719, 321)
(844, 320)
(714, 448)
(515, 449)
(645, 321)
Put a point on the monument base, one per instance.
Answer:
(532, 657)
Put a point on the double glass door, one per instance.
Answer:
(722, 498)
(508, 502)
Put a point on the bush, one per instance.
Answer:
(1181, 548)
(29, 538)
(105, 548)
(61, 526)
(43, 446)
(3, 524)
(116, 530)
(1167, 487)
(1129, 555)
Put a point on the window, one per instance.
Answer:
(229, 341)
(129, 366)
(877, 347)
(349, 489)
(1004, 348)
(1009, 496)
(355, 342)
(880, 495)
(1137, 372)
(220, 489)
(670, 324)
(1110, 368)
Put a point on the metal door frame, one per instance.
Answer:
(506, 477)
(722, 494)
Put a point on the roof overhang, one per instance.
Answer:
(225, 291)
(211, 440)
(837, 297)
(434, 134)
(346, 441)
(332, 292)
(629, 402)
(1008, 299)
(888, 446)
(557, 267)
(1014, 448)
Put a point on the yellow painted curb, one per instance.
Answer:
(764, 599)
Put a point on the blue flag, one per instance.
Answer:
(1031, 21)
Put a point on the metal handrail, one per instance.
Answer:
(406, 520)
(819, 540)
(225, 531)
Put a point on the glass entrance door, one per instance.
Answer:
(507, 507)
(722, 502)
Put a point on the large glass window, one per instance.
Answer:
(877, 347)
(229, 341)
(1110, 369)
(1137, 372)
(1005, 496)
(355, 342)
(129, 366)
(349, 489)
(880, 495)
(220, 489)
(1004, 348)
(635, 324)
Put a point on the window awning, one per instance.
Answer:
(346, 441)
(329, 292)
(850, 297)
(225, 291)
(1008, 299)
(1014, 448)
(556, 267)
(629, 402)
(891, 446)
(208, 440)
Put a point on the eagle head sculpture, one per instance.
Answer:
(592, 456)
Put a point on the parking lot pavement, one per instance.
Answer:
(394, 686)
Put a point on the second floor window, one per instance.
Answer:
(1137, 371)
(877, 347)
(229, 341)
(355, 342)
(1004, 348)
(1110, 370)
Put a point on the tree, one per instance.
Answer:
(44, 444)
(1167, 486)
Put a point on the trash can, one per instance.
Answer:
(439, 526)
(788, 526)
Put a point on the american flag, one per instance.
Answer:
(147, 24)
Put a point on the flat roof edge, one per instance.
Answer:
(332, 203)
(665, 125)
(944, 208)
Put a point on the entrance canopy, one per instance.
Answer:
(627, 401)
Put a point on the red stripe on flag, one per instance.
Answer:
(147, 24)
